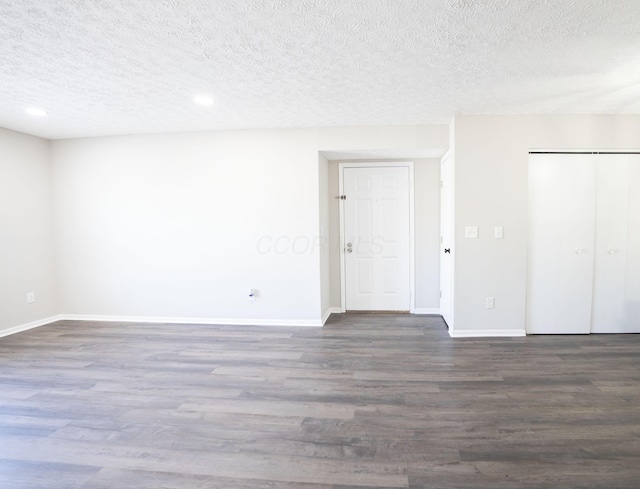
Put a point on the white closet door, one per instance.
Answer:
(631, 306)
(616, 296)
(562, 192)
(612, 219)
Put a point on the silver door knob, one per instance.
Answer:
(349, 250)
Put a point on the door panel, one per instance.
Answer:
(377, 224)
(612, 217)
(631, 306)
(561, 243)
(390, 275)
(364, 274)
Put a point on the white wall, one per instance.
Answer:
(325, 237)
(169, 225)
(183, 225)
(427, 232)
(430, 136)
(26, 245)
(491, 158)
(334, 235)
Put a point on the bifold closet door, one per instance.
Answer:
(562, 194)
(631, 315)
(616, 287)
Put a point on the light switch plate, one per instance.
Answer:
(499, 232)
(471, 232)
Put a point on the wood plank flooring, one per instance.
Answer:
(369, 401)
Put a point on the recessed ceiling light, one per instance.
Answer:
(203, 100)
(36, 111)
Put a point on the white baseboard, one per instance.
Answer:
(427, 310)
(486, 333)
(195, 320)
(329, 312)
(31, 325)
(468, 333)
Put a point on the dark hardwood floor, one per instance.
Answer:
(377, 401)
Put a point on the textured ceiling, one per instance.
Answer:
(104, 67)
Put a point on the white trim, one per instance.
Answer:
(195, 320)
(448, 157)
(329, 312)
(31, 325)
(486, 333)
(343, 269)
(426, 310)
(412, 238)
(325, 316)
(585, 150)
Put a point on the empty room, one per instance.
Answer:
(319, 244)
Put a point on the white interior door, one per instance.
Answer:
(377, 238)
(562, 193)
(446, 241)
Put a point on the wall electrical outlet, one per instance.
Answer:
(31, 297)
(489, 303)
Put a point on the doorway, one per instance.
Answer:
(377, 236)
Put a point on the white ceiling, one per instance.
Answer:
(122, 67)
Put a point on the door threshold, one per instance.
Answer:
(378, 312)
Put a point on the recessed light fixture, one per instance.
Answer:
(203, 100)
(35, 111)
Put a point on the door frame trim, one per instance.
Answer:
(447, 157)
(412, 234)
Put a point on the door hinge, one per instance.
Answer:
(441, 240)
(441, 184)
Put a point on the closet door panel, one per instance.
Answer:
(544, 261)
(631, 307)
(612, 218)
(575, 286)
(561, 242)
